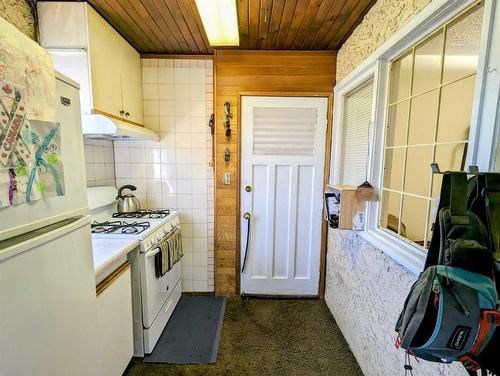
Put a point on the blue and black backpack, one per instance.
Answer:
(452, 310)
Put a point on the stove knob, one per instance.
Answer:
(165, 230)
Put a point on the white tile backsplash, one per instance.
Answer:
(151, 108)
(165, 75)
(167, 124)
(150, 91)
(174, 173)
(166, 92)
(181, 75)
(99, 162)
(150, 75)
(182, 107)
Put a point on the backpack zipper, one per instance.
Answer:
(436, 290)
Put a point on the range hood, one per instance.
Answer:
(100, 126)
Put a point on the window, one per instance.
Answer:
(356, 134)
(430, 100)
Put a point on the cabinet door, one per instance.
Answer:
(114, 308)
(131, 79)
(105, 46)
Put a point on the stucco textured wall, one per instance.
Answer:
(18, 13)
(380, 23)
(365, 291)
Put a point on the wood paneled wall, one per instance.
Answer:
(255, 73)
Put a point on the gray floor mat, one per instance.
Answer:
(192, 334)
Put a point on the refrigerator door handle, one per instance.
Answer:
(16, 245)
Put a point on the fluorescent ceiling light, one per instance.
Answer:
(220, 20)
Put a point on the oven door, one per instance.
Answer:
(155, 291)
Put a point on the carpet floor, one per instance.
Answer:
(271, 337)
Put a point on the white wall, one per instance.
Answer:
(174, 173)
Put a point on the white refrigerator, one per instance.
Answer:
(47, 290)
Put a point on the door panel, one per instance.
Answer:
(283, 151)
(259, 210)
(281, 231)
(304, 222)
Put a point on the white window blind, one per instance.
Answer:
(284, 131)
(357, 120)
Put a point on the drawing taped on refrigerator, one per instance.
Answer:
(30, 154)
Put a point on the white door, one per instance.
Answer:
(282, 165)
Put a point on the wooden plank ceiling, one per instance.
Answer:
(174, 26)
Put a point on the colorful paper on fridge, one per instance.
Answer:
(30, 152)
(26, 64)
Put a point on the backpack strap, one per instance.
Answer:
(458, 193)
(491, 195)
(444, 201)
(489, 321)
(454, 196)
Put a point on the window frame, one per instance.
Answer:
(342, 161)
(341, 92)
(484, 121)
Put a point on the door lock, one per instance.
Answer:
(248, 188)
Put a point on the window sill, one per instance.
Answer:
(410, 257)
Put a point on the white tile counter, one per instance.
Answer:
(109, 254)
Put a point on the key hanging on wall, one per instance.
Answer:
(227, 118)
(211, 125)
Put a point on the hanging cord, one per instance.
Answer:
(247, 217)
(368, 131)
(408, 367)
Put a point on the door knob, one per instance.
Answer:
(248, 188)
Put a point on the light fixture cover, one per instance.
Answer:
(220, 20)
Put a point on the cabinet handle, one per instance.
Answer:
(122, 112)
(127, 114)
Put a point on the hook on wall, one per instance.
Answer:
(472, 170)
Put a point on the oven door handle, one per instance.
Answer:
(155, 250)
(152, 252)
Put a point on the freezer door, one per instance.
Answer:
(27, 217)
(48, 302)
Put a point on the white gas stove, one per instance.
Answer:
(154, 297)
(147, 226)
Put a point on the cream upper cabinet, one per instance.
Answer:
(111, 82)
(131, 84)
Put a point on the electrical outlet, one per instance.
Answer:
(226, 178)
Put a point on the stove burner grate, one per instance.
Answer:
(117, 227)
(146, 213)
